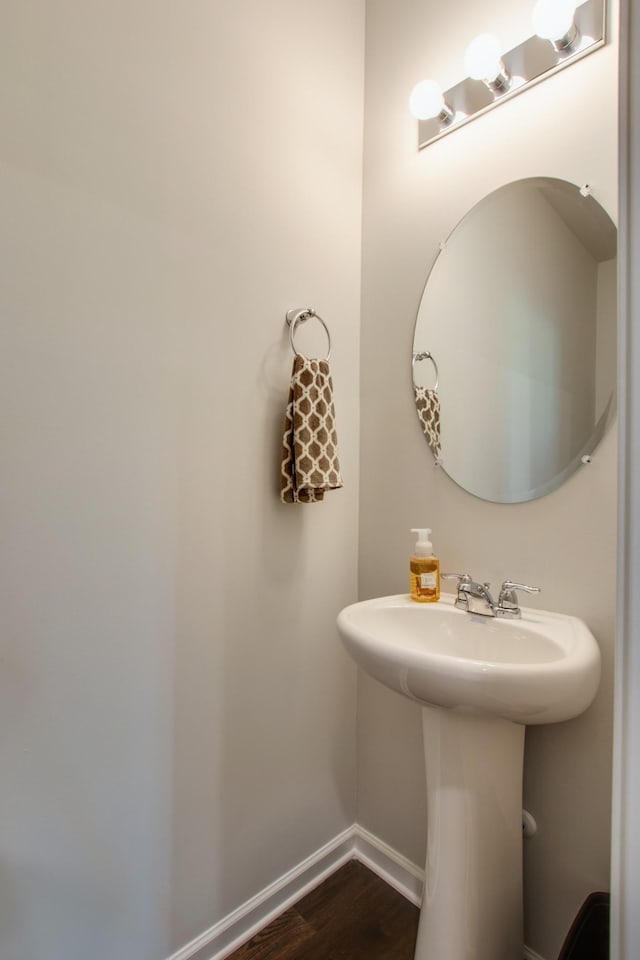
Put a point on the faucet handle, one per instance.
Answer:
(508, 601)
(509, 586)
(464, 580)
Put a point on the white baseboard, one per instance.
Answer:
(356, 843)
(240, 925)
(400, 873)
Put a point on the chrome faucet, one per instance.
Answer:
(476, 597)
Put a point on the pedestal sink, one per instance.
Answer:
(479, 680)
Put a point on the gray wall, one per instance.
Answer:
(177, 717)
(564, 542)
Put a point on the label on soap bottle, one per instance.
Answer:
(428, 581)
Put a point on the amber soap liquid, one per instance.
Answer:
(424, 579)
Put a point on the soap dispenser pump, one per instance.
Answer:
(424, 569)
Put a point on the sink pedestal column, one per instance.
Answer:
(472, 901)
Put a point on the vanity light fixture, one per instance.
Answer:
(554, 20)
(483, 61)
(564, 31)
(427, 103)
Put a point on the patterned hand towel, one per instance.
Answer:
(310, 445)
(428, 408)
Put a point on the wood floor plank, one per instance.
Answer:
(339, 892)
(378, 923)
(282, 939)
(353, 915)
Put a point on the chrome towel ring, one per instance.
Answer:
(425, 355)
(296, 316)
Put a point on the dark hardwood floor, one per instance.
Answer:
(353, 915)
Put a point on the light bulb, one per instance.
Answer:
(483, 58)
(553, 19)
(426, 100)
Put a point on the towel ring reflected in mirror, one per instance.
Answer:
(294, 317)
(425, 355)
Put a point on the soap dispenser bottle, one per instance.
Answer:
(424, 570)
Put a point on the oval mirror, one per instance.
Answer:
(514, 352)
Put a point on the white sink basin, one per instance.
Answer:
(541, 669)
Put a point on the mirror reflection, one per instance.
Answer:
(514, 352)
